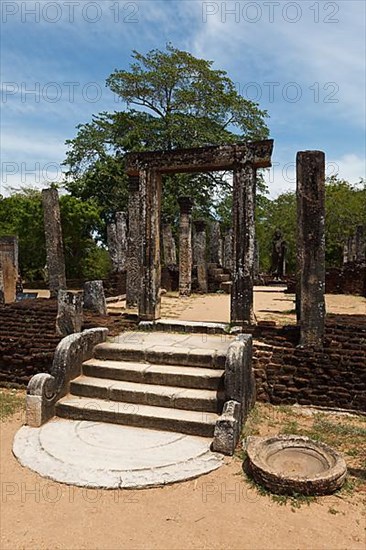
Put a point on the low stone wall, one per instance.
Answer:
(334, 376)
(28, 337)
(351, 279)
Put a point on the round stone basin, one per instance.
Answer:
(289, 464)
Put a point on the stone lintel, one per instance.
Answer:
(201, 159)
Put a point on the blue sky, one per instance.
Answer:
(302, 61)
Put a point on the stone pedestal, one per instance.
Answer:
(8, 269)
(244, 182)
(133, 263)
(199, 254)
(185, 246)
(216, 244)
(117, 242)
(94, 298)
(169, 247)
(310, 176)
(54, 244)
(70, 312)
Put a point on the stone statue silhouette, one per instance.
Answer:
(279, 247)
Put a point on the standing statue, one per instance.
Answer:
(279, 247)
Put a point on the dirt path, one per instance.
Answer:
(269, 304)
(218, 511)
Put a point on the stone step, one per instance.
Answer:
(216, 272)
(147, 394)
(223, 278)
(226, 286)
(168, 355)
(160, 374)
(116, 412)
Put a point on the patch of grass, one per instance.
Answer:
(344, 433)
(11, 401)
(295, 500)
(290, 427)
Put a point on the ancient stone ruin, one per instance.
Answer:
(310, 182)
(147, 168)
(54, 243)
(117, 242)
(278, 265)
(8, 269)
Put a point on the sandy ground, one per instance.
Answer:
(269, 304)
(219, 511)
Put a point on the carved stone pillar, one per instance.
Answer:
(310, 188)
(150, 209)
(133, 263)
(54, 244)
(199, 254)
(70, 312)
(228, 250)
(244, 182)
(94, 297)
(256, 260)
(8, 269)
(169, 248)
(117, 242)
(185, 246)
(216, 244)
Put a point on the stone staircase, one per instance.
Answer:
(217, 276)
(135, 380)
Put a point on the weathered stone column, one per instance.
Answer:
(169, 247)
(117, 242)
(94, 298)
(2, 288)
(228, 250)
(54, 244)
(150, 209)
(185, 246)
(133, 263)
(310, 188)
(199, 254)
(256, 260)
(216, 244)
(244, 182)
(8, 269)
(70, 312)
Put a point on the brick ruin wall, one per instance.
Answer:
(285, 374)
(28, 339)
(334, 376)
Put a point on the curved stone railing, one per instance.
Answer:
(239, 394)
(45, 389)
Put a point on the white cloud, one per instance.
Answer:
(282, 176)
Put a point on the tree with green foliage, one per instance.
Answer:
(21, 214)
(172, 100)
(345, 209)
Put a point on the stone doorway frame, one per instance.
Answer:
(243, 159)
